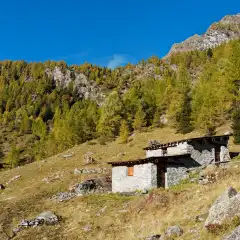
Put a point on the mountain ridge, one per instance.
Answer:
(228, 28)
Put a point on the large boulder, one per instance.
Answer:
(235, 235)
(85, 187)
(225, 207)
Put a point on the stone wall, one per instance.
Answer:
(202, 153)
(224, 154)
(145, 177)
(175, 175)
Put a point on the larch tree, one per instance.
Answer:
(124, 132)
(180, 107)
(110, 116)
(139, 119)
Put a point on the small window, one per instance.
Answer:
(130, 171)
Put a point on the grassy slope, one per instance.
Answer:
(28, 196)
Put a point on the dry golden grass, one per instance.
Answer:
(124, 217)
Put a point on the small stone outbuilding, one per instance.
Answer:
(167, 164)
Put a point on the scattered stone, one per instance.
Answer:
(89, 171)
(69, 155)
(226, 207)
(88, 158)
(13, 179)
(64, 196)
(153, 237)
(47, 218)
(2, 187)
(123, 211)
(201, 217)
(101, 211)
(52, 178)
(87, 228)
(174, 231)
(16, 230)
(235, 235)
(77, 171)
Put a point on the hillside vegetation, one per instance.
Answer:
(48, 107)
(107, 216)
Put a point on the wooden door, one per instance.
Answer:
(217, 154)
(161, 176)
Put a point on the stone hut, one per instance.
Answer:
(167, 164)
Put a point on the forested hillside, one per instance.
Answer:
(48, 107)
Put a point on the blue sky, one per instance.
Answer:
(106, 32)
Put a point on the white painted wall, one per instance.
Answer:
(154, 153)
(145, 177)
(181, 148)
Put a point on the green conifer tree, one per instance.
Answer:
(180, 107)
(124, 132)
(12, 158)
(236, 125)
(39, 128)
(25, 125)
(110, 116)
(139, 119)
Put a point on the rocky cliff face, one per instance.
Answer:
(86, 89)
(228, 28)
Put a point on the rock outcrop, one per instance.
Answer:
(225, 208)
(85, 88)
(228, 28)
(235, 235)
